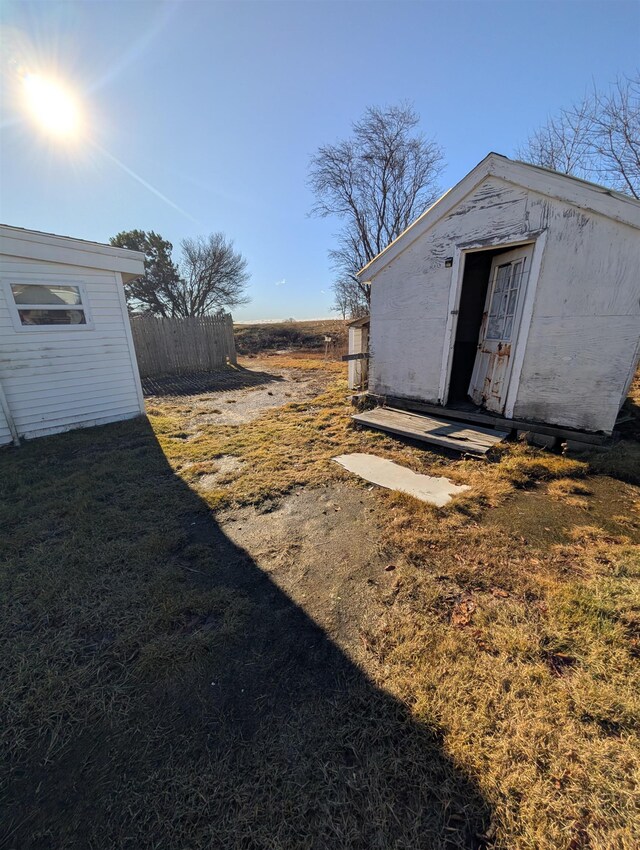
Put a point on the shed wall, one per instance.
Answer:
(583, 340)
(586, 316)
(410, 296)
(66, 378)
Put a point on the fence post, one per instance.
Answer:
(231, 340)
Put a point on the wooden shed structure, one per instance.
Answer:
(516, 294)
(66, 354)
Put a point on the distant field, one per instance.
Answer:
(307, 336)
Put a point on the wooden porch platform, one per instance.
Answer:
(456, 436)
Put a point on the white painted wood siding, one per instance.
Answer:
(583, 339)
(584, 331)
(410, 296)
(68, 378)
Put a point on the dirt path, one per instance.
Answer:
(235, 397)
(321, 547)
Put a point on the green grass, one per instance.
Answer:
(159, 691)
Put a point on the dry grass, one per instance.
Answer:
(506, 705)
(305, 336)
(538, 691)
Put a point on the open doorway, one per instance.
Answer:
(493, 284)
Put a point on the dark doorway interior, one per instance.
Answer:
(475, 282)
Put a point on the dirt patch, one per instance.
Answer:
(222, 405)
(321, 547)
(225, 465)
(245, 405)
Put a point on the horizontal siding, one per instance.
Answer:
(566, 370)
(585, 316)
(12, 343)
(88, 410)
(52, 363)
(82, 423)
(68, 377)
(68, 337)
(19, 395)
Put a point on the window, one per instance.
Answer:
(504, 300)
(49, 304)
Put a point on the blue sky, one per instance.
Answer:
(218, 107)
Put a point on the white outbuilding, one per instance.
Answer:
(517, 296)
(66, 354)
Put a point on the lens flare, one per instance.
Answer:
(51, 105)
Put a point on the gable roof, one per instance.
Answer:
(564, 187)
(36, 245)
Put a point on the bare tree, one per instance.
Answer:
(210, 277)
(377, 181)
(563, 144)
(616, 135)
(341, 299)
(347, 299)
(213, 276)
(597, 139)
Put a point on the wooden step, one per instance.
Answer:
(457, 436)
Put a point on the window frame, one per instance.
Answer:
(14, 308)
(517, 269)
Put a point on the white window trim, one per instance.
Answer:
(89, 324)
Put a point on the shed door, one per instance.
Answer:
(490, 378)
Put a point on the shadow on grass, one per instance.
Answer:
(160, 691)
(222, 380)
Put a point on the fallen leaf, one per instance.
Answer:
(462, 612)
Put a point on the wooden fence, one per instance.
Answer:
(178, 346)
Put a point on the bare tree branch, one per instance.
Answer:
(377, 181)
(597, 139)
(210, 276)
(214, 275)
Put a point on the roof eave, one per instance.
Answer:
(572, 190)
(49, 247)
(438, 209)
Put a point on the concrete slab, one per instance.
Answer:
(386, 473)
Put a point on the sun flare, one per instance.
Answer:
(52, 106)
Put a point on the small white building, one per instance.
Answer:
(516, 293)
(66, 354)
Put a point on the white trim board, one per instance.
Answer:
(34, 245)
(130, 344)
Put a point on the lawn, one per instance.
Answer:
(190, 659)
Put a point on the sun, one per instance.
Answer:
(52, 106)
